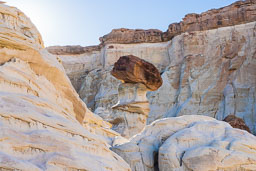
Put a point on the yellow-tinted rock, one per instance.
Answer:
(44, 124)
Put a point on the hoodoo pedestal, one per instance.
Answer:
(131, 112)
(129, 115)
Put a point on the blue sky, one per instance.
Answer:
(82, 22)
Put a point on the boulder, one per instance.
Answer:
(192, 142)
(236, 122)
(131, 69)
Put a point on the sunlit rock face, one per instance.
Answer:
(212, 73)
(83, 60)
(44, 125)
(186, 143)
(207, 68)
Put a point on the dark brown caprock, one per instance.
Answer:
(131, 69)
(236, 122)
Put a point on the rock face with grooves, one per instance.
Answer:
(208, 70)
(236, 122)
(44, 125)
(131, 69)
(186, 143)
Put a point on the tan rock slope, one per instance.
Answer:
(44, 125)
(207, 63)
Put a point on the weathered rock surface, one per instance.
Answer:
(72, 50)
(131, 69)
(44, 125)
(129, 115)
(236, 122)
(210, 72)
(125, 36)
(77, 61)
(190, 143)
(237, 13)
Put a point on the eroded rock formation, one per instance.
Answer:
(129, 115)
(190, 143)
(131, 69)
(236, 122)
(204, 72)
(124, 35)
(72, 50)
(44, 125)
(237, 13)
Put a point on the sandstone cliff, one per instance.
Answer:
(207, 63)
(44, 124)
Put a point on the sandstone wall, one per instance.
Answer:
(207, 68)
(205, 72)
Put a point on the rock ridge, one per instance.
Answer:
(239, 12)
(72, 50)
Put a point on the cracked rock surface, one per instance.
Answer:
(186, 143)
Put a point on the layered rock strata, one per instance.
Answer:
(129, 115)
(127, 36)
(190, 143)
(210, 72)
(44, 125)
(237, 13)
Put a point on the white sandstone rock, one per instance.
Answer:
(44, 125)
(190, 143)
(208, 72)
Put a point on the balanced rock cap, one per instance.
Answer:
(131, 69)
